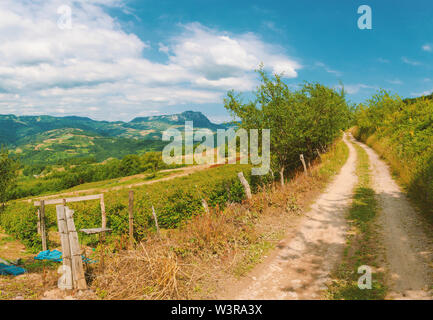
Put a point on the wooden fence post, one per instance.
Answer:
(303, 163)
(282, 176)
(156, 221)
(205, 206)
(77, 261)
(43, 227)
(245, 184)
(131, 218)
(66, 281)
(39, 222)
(103, 214)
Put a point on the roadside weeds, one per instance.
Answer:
(363, 247)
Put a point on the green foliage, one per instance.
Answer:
(402, 132)
(8, 173)
(74, 146)
(57, 180)
(47, 139)
(22, 224)
(174, 200)
(300, 121)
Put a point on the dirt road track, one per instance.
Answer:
(300, 266)
(408, 250)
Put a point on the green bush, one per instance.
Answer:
(402, 132)
(174, 200)
(22, 224)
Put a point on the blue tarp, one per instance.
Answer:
(87, 260)
(54, 255)
(11, 270)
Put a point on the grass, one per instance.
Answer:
(361, 248)
(10, 248)
(107, 184)
(253, 255)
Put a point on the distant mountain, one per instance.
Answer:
(49, 139)
(198, 118)
(14, 128)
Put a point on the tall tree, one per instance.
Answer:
(300, 121)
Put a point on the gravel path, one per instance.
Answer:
(408, 249)
(301, 264)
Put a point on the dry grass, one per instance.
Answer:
(28, 286)
(148, 272)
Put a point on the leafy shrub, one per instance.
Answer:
(174, 200)
(402, 132)
(22, 224)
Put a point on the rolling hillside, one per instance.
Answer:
(59, 144)
(50, 139)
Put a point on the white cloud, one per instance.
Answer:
(411, 62)
(395, 81)
(427, 47)
(355, 88)
(98, 69)
(382, 60)
(163, 48)
(327, 69)
(271, 26)
(218, 55)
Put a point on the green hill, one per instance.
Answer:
(59, 144)
(49, 139)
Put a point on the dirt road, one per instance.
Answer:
(408, 250)
(299, 267)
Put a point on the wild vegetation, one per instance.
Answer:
(402, 132)
(40, 179)
(174, 200)
(303, 121)
(57, 153)
(61, 145)
(8, 174)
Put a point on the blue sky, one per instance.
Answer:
(122, 59)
